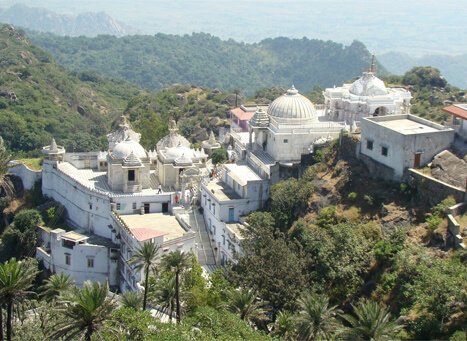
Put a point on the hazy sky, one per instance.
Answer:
(415, 26)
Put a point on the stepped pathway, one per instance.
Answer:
(205, 252)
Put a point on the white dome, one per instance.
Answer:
(125, 148)
(292, 105)
(178, 152)
(368, 85)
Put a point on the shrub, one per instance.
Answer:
(352, 196)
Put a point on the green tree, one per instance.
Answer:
(20, 238)
(164, 293)
(246, 304)
(177, 262)
(56, 285)
(5, 184)
(370, 321)
(289, 199)
(16, 280)
(219, 155)
(284, 326)
(83, 311)
(131, 300)
(316, 319)
(144, 259)
(270, 264)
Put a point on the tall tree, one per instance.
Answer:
(165, 293)
(316, 319)
(270, 264)
(370, 322)
(177, 262)
(145, 259)
(4, 159)
(83, 311)
(16, 278)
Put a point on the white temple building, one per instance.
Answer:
(115, 201)
(276, 146)
(366, 97)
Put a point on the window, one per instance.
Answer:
(384, 151)
(131, 175)
(213, 208)
(134, 206)
(118, 206)
(67, 259)
(90, 206)
(223, 240)
(369, 144)
(286, 141)
(90, 262)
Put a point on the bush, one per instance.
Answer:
(219, 155)
(352, 196)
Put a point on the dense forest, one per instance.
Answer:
(154, 62)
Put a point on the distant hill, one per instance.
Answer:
(43, 20)
(454, 68)
(39, 99)
(155, 62)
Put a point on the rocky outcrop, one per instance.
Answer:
(43, 20)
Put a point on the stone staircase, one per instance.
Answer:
(205, 251)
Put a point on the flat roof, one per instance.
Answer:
(97, 181)
(241, 173)
(407, 124)
(74, 236)
(221, 191)
(236, 229)
(152, 225)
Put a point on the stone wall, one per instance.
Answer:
(432, 191)
(27, 175)
(376, 169)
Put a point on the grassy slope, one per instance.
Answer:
(52, 101)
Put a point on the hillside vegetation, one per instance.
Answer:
(155, 62)
(39, 99)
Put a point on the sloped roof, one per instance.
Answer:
(458, 110)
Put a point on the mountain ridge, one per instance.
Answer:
(154, 62)
(44, 20)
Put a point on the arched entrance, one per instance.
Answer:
(380, 111)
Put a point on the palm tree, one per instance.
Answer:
(16, 278)
(4, 160)
(165, 294)
(177, 262)
(284, 327)
(131, 299)
(83, 311)
(145, 258)
(316, 319)
(246, 304)
(56, 285)
(371, 322)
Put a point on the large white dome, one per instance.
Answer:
(292, 105)
(125, 148)
(368, 85)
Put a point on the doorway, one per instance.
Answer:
(165, 207)
(146, 208)
(417, 160)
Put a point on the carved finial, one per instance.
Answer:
(173, 126)
(124, 121)
(373, 64)
(53, 146)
